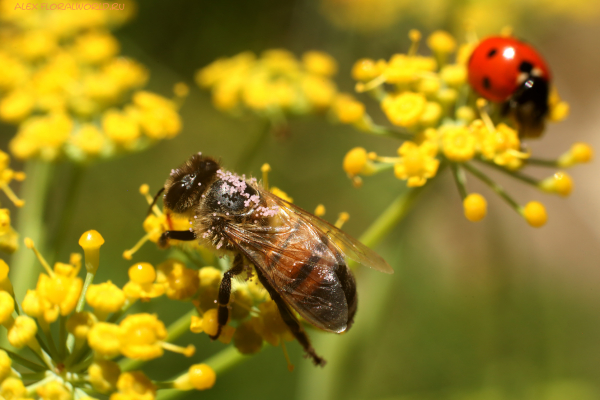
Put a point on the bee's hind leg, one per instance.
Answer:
(225, 293)
(291, 321)
(186, 236)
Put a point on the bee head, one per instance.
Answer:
(188, 182)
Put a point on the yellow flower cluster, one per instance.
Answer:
(277, 83)
(89, 340)
(443, 124)
(8, 236)
(63, 83)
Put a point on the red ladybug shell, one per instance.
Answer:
(497, 62)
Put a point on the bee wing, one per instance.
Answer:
(300, 266)
(347, 245)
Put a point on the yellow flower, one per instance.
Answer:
(357, 162)
(180, 282)
(319, 91)
(319, 63)
(535, 214)
(104, 375)
(579, 153)
(104, 339)
(270, 325)
(42, 136)
(5, 365)
(79, 324)
(431, 114)
(22, 332)
(458, 143)
(475, 207)
(403, 69)
(560, 183)
(95, 47)
(54, 390)
(347, 109)
(89, 139)
(454, 74)
(199, 377)
(417, 163)
(141, 283)
(141, 336)
(366, 69)
(17, 105)
(404, 109)
(156, 115)
(122, 128)
(441, 42)
(134, 386)
(105, 298)
(12, 389)
(61, 289)
(7, 306)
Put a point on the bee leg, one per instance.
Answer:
(187, 236)
(291, 321)
(225, 293)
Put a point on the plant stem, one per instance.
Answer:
(321, 384)
(493, 185)
(515, 174)
(31, 224)
(460, 179)
(24, 362)
(89, 278)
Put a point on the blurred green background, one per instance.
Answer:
(494, 310)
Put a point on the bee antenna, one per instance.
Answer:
(155, 200)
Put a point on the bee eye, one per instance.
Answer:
(174, 194)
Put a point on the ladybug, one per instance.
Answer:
(508, 71)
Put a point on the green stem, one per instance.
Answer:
(542, 162)
(31, 389)
(31, 224)
(89, 278)
(62, 337)
(68, 210)
(388, 132)
(24, 362)
(493, 185)
(321, 384)
(522, 177)
(460, 179)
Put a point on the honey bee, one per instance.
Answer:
(299, 258)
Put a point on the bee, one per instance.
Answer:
(299, 258)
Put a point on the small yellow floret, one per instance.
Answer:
(417, 163)
(13, 389)
(560, 183)
(404, 109)
(5, 365)
(579, 153)
(54, 390)
(535, 214)
(319, 63)
(320, 210)
(80, 323)
(141, 336)
(441, 42)
(142, 273)
(91, 241)
(458, 144)
(180, 282)
(366, 69)
(134, 386)
(347, 109)
(355, 161)
(103, 375)
(104, 339)
(281, 194)
(202, 376)
(7, 306)
(475, 207)
(210, 323)
(105, 298)
(22, 332)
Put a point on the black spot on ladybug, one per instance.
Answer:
(486, 83)
(526, 67)
(492, 53)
